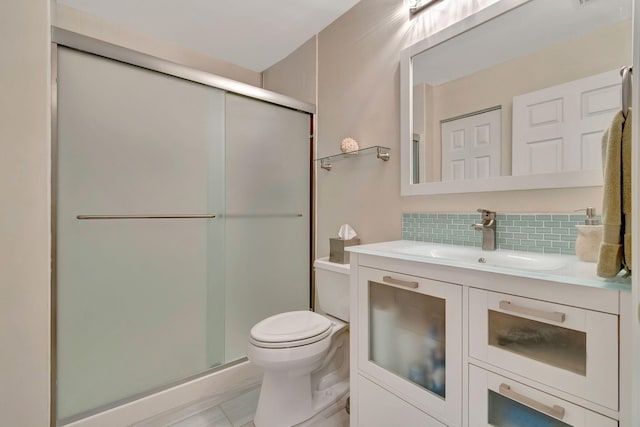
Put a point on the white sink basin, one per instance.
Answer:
(499, 258)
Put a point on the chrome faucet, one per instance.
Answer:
(488, 228)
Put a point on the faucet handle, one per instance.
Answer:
(591, 215)
(487, 214)
(589, 211)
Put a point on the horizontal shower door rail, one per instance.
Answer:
(191, 216)
(98, 47)
(273, 215)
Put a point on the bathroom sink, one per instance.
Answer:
(500, 258)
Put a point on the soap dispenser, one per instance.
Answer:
(589, 237)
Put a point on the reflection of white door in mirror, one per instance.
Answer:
(559, 128)
(504, 53)
(471, 146)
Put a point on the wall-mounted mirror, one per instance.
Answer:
(515, 97)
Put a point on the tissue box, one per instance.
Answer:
(336, 249)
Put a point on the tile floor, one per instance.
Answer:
(239, 411)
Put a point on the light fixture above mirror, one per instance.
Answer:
(416, 6)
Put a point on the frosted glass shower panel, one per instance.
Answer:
(135, 296)
(267, 221)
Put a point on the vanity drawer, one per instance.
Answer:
(568, 348)
(378, 407)
(498, 401)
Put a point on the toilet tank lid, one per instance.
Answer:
(325, 264)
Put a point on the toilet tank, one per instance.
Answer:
(332, 287)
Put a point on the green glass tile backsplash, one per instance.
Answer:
(543, 233)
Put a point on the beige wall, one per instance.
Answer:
(81, 22)
(24, 213)
(295, 76)
(359, 96)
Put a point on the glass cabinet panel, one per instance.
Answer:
(407, 335)
(499, 401)
(504, 412)
(554, 345)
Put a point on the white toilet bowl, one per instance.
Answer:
(306, 362)
(305, 355)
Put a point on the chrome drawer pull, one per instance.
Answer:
(555, 410)
(554, 316)
(389, 279)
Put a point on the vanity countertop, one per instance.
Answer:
(555, 268)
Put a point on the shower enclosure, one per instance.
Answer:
(182, 217)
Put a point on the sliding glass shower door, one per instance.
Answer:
(182, 218)
(267, 222)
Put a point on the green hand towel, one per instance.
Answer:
(610, 258)
(626, 191)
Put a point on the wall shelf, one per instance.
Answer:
(382, 153)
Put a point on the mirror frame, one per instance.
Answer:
(498, 183)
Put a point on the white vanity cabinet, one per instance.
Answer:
(442, 345)
(409, 342)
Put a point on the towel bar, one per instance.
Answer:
(626, 73)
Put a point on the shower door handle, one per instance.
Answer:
(274, 215)
(192, 216)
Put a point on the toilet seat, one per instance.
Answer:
(291, 329)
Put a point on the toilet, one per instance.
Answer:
(305, 355)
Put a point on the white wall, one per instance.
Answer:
(359, 96)
(24, 213)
